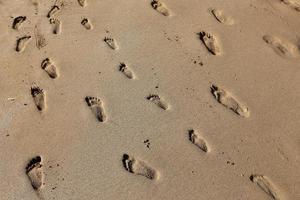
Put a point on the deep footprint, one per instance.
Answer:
(87, 24)
(210, 42)
(221, 17)
(195, 138)
(160, 7)
(229, 101)
(282, 48)
(139, 167)
(56, 25)
(34, 172)
(266, 185)
(39, 97)
(97, 108)
(18, 22)
(22, 43)
(50, 68)
(126, 71)
(156, 99)
(111, 43)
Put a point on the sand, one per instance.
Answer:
(144, 99)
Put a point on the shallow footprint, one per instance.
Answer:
(229, 101)
(196, 139)
(158, 101)
(282, 48)
(266, 185)
(126, 71)
(40, 40)
(18, 22)
(34, 172)
(111, 43)
(295, 4)
(39, 97)
(49, 67)
(211, 42)
(86, 23)
(82, 3)
(56, 25)
(160, 7)
(96, 105)
(22, 43)
(221, 17)
(139, 167)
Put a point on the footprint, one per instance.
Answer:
(82, 3)
(111, 43)
(126, 71)
(49, 67)
(160, 7)
(282, 48)
(229, 101)
(40, 39)
(266, 185)
(196, 139)
(18, 22)
(56, 25)
(34, 172)
(39, 97)
(295, 4)
(158, 101)
(211, 42)
(22, 43)
(139, 167)
(96, 105)
(55, 9)
(87, 24)
(221, 17)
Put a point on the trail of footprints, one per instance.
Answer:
(34, 169)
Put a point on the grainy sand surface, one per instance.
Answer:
(143, 99)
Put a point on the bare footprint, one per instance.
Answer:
(160, 7)
(97, 108)
(158, 101)
(126, 71)
(34, 172)
(40, 40)
(221, 17)
(196, 139)
(55, 8)
(18, 22)
(82, 3)
(229, 101)
(282, 48)
(39, 97)
(295, 4)
(87, 24)
(211, 42)
(266, 185)
(111, 43)
(50, 68)
(139, 167)
(22, 43)
(56, 25)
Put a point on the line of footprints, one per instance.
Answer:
(34, 169)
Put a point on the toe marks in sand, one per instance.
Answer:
(227, 100)
(266, 185)
(160, 7)
(50, 68)
(139, 167)
(211, 42)
(97, 108)
(34, 172)
(39, 97)
(197, 140)
(282, 47)
(157, 100)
